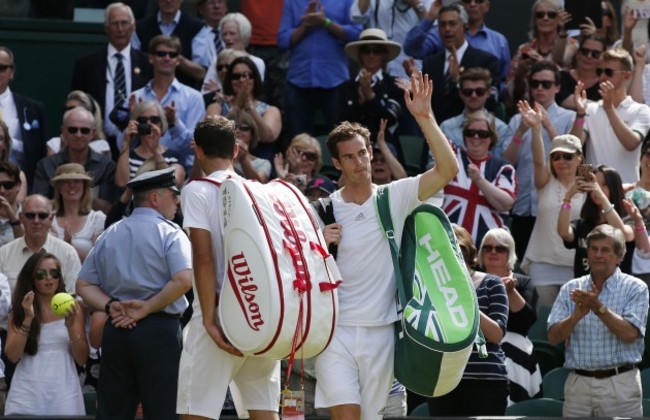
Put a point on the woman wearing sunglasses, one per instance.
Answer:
(142, 141)
(74, 219)
(585, 64)
(301, 162)
(497, 256)
(246, 133)
(548, 263)
(44, 345)
(549, 42)
(244, 85)
(603, 204)
(484, 190)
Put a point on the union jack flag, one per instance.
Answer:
(464, 202)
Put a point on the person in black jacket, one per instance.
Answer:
(372, 94)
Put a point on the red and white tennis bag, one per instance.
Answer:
(279, 292)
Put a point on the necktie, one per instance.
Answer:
(449, 81)
(218, 43)
(119, 82)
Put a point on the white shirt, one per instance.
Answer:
(367, 294)
(109, 127)
(604, 147)
(460, 52)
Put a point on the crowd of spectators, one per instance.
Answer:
(550, 142)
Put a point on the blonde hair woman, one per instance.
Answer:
(74, 219)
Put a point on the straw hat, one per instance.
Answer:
(68, 171)
(373, 36)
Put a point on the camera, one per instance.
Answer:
(144, 129)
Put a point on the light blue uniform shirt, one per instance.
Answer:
(592, 345)
(136, 257)
(189, 111)
(526, 201)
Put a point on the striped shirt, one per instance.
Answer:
(591, 344)
(492, 301)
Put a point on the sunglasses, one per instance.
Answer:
(546, 84)
(566, 156)
(372, 50)
(41, 274)
(312, 156)
(470, 91)
(473, 1)
(542, 15)
(499, 249)
(587, 52)
(244, 127)
(482, 134)
(7, 185)
(32, 215)
(608, 72)
(244, 75)
(222, 67)
(83, 130)
(5, 67)
(154, 119)
(607, 12)
(161, 54)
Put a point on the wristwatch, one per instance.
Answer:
(107, 307)
(602, 309)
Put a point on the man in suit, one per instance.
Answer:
(444, 67)
(194, 37)
(25, 119)
(98, 73)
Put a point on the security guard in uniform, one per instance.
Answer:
(138, 273)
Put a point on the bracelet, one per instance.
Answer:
(327, 22)
(579, 122)
(563, 34)
(639, 228)
(14, 223)
(608, 209)
(25, 328)
(581, 115)
(76, 339)
(565, 206)
(517, 139)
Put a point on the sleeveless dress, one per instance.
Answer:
(47, 383)
(83, 239)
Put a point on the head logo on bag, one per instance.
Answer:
(439, 311)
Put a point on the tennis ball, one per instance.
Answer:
(61, 303)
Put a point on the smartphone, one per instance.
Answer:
(584, 170)
(582, 9)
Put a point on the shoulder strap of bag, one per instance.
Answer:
(325, 210)
(382, 207)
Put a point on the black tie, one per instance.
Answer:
(218, 43)
(119, 82)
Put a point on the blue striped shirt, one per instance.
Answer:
(591, 344)
(492, 301)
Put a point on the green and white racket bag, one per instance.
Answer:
(437, 304)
